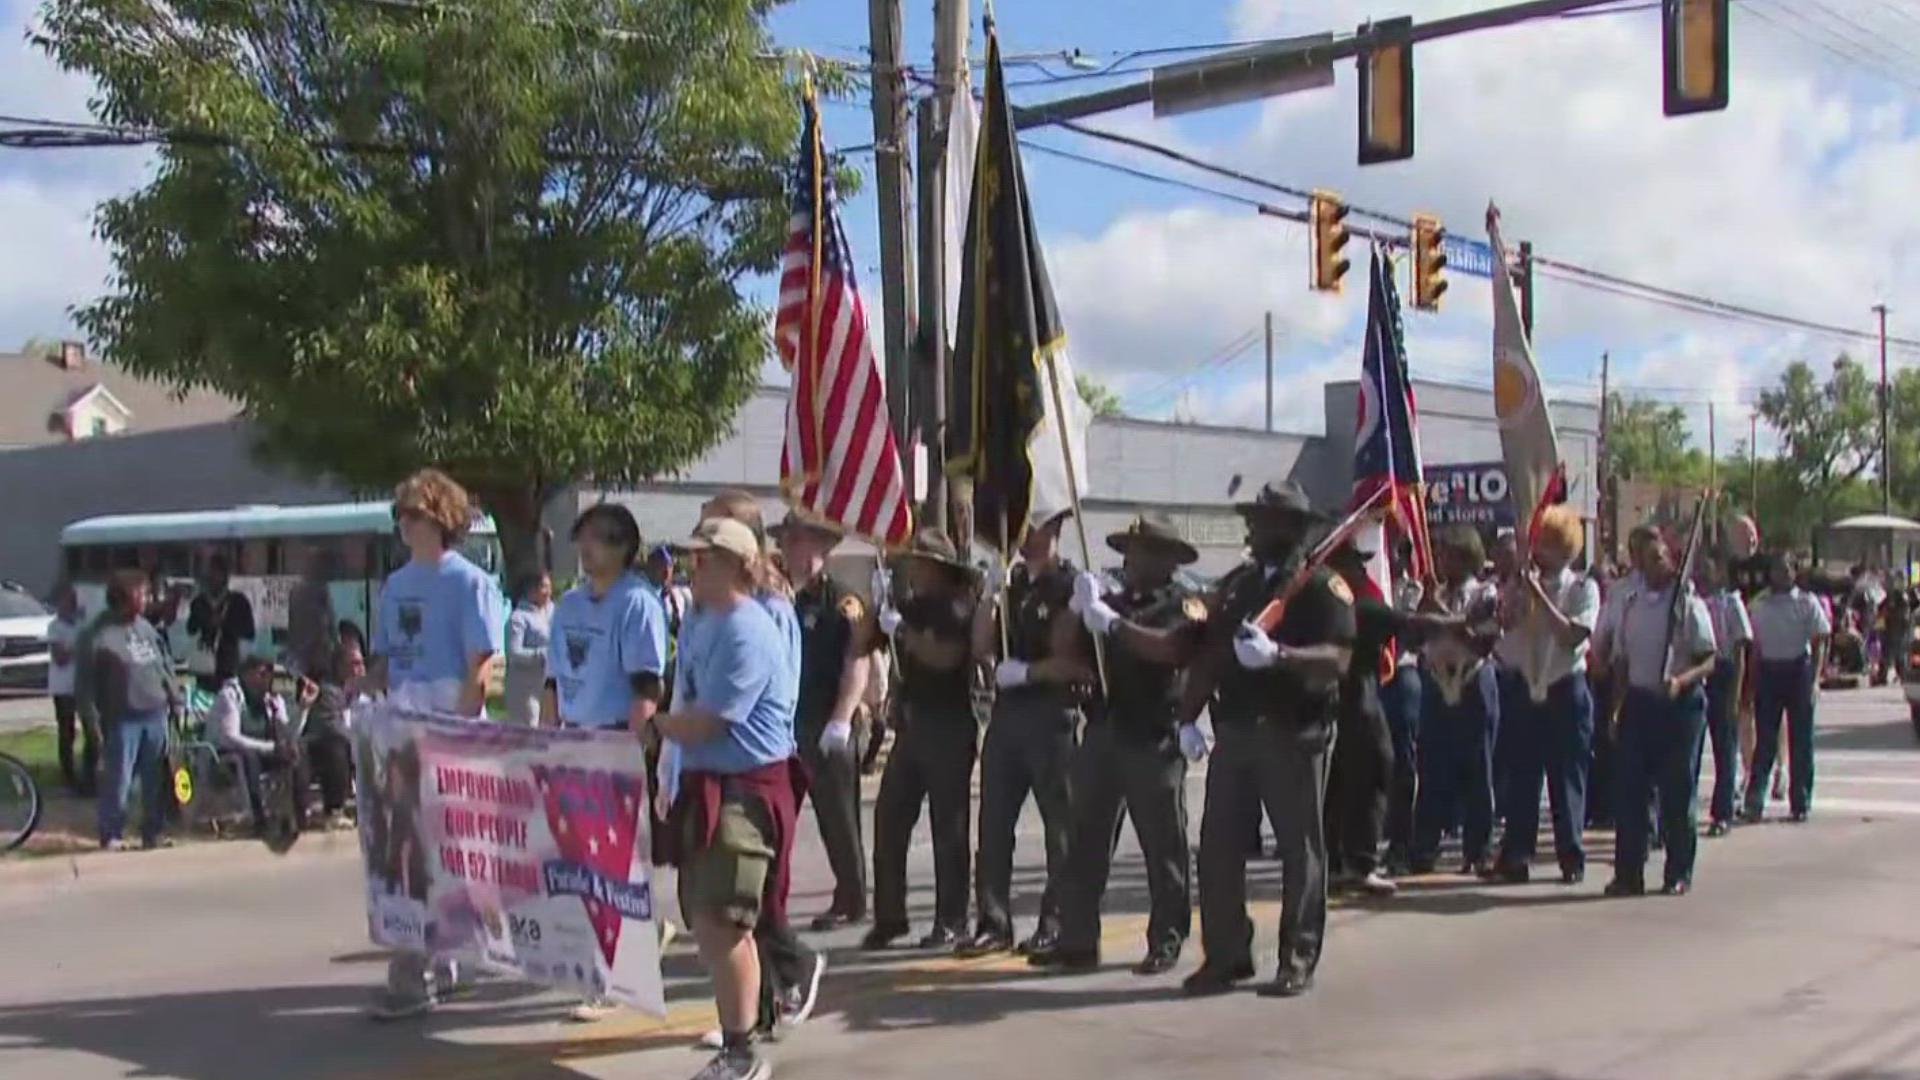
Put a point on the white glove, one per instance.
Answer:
(994, 573)
(836, 737)
(882, 584)
(1193, 742)
(889, 621)
(1099, 618)
(1010, 673)
(1254, 649)
(1086, 592)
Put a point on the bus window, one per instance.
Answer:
(483, 552)
(75, 562)
(254, 558)
(354, 558)
(124, 557)
(176, 560)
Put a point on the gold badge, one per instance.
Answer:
(1194, 608)
(1338, 587)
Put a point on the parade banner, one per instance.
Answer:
(523, 850)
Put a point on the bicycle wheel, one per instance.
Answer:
(19, 803)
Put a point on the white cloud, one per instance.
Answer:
(1798, 198)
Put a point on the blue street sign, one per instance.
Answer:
(1469, 256)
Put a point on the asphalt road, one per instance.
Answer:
(1797, 956)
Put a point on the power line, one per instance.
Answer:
(1571, 272)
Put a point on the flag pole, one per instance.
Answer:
(1061, 421)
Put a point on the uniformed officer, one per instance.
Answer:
(1273, 697)
(1129, 758)
(1662, 721)
(931, 624)
(1363, 755)
(1790, 631)
(1460, 706)
(834, 663)
(1029, 742)
(1733, 637)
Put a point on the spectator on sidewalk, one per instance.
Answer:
(220, 626)
(125, 689)
(528, 630)
(327, 731)
(249, 723)
(63, 636)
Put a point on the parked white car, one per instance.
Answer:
(24, 653)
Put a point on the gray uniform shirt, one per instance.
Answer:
(128, 672)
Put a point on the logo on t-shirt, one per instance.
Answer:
(411, 619)
(578, 647)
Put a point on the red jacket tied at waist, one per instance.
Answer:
(779, 788)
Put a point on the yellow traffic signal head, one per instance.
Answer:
(1327, 217)
(1429, 262)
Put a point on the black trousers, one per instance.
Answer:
(1028, 750)
(1284, 770)
(1115, 775)
(835, 794)
(931, 763)
(67, 719)
(1400, 699)
(1357, 790)
(254, 765)
(330, 757)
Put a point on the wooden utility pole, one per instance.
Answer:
(1886, 398)
(1269, 371)
(949, 53)
(892, 173)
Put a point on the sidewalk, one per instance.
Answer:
(23, 712)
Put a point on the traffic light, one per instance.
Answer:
(1429, 262)
(1693, 46)
(1327, 216)
(1386, 92)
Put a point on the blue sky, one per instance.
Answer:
(1797, 198)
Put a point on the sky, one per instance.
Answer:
(1798, 198)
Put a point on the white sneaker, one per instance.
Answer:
(668, 931)
(809, 995)
(592, 1011)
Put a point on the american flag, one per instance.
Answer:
(840, 461)
(1386, 439)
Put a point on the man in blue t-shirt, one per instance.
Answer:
(607, 655)
(441, 617)
(440, 625)
(733, 720)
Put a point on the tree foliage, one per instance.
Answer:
(1828, 439)
(498, 236)
(1650, 442)
(1098, 396)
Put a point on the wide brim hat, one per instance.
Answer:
(795, 521)
(1282, 497)
(1154, 531)
(933, 546)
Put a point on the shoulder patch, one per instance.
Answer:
(1194, 608)
(1338, 587)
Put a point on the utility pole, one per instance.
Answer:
(1886, 398)
(1603, 489)
(892, 171)
(1269, 372)
(949, 51)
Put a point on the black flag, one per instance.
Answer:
(1014, 415)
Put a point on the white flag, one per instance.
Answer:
(963, 139)
(1051, 494)
(1519, 400)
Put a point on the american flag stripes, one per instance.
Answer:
(1386, 438)
(840, 461)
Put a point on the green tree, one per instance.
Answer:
(1828, 440)
(1650, 442)
(1903, 435)
(500, 237)
(1097, 395)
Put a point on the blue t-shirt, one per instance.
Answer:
(787, 622)
(734, 663)
(597, 645)
(433, 619)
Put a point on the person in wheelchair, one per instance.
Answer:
(249, 725)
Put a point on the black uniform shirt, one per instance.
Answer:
(1321, 613)
(949, 620)
(1375, 624)
(1143, 696)
(1032, 605)
(829, 617)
